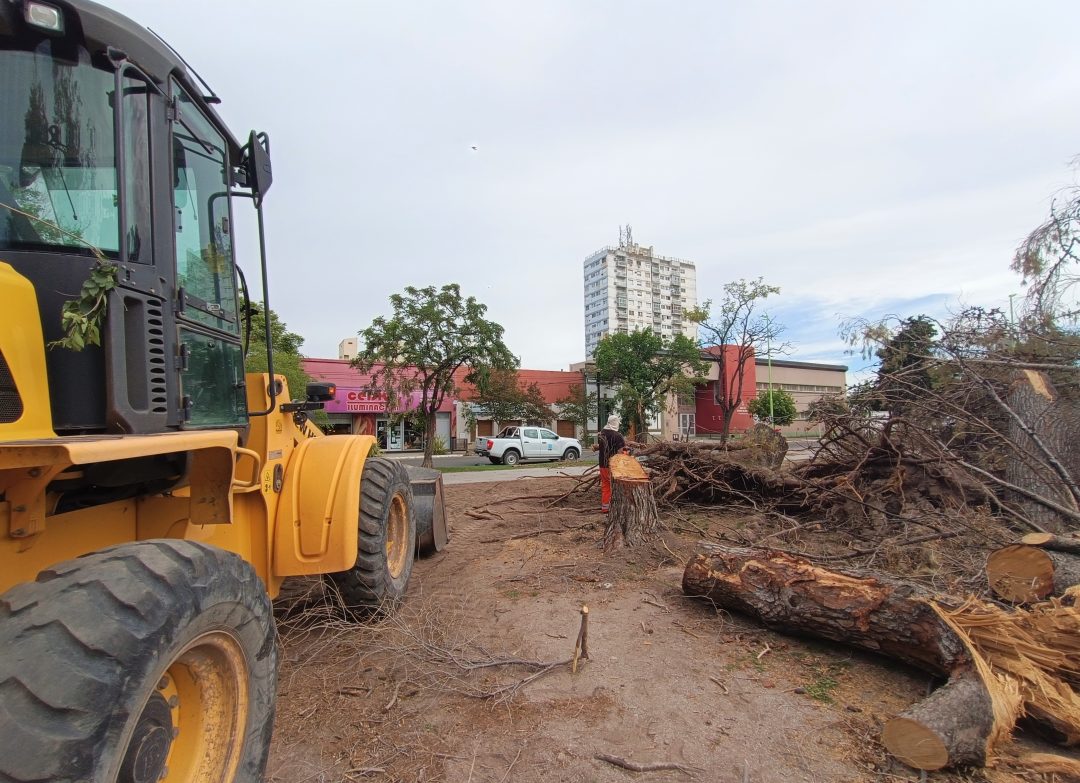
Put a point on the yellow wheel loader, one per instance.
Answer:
(153, 497)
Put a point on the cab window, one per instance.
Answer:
(548, 435)
(57, 164)
(204, 256)
(212, 380)
(531, 433)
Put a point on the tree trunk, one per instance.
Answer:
(794, 596)
(1045, 426)
(429, 439)
(950, 726)
(954, 725)
(633, 517)
(1023, 574)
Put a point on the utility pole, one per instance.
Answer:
(768, 358)
(1012, 321)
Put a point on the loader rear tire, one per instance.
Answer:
(142, 662)
(386, 544)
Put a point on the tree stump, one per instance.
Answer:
(1024, 574)
(633, 517)
(761, 446)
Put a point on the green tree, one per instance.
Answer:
(500, 396)
(735, 322)
(645, 367)
(579, 407)
(288, 360)
(907, 362)
(782, 408)
(433, 333)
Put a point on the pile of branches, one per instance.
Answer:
(690, 471)
(888, 470)
(861, 473)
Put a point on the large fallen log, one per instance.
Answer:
(792, 595)
(1023, 574)
(997, 662)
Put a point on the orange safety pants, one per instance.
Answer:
(605, 489)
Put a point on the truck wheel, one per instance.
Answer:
(142, 662)
(387, 541)
(570, 455)
(510, 457)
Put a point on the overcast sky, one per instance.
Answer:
(868, 158)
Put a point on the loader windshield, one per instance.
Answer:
(57, 157)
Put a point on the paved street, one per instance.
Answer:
(481, 476)
(459, 460)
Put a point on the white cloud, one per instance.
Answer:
(856, 154)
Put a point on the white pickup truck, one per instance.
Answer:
(514, 444)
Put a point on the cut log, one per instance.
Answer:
(1022, 574)
(792, 595)
(951, 726)
(1070, 543)
(633, 517)
(958, 724)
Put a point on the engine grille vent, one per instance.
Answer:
(155, 340)
(11, 406)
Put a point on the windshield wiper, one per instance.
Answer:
(210, 149)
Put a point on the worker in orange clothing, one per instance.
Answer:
(609, 443)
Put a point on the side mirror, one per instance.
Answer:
(260, 172)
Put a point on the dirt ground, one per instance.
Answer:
(425, 696)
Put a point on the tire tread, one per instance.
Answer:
(97, 617)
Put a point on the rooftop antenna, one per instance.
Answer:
(622, 241)
(629, 235)
(212, 96)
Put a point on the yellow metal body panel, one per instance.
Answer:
(33, 537)
(288, 502)
(23, 346)
(318, 520)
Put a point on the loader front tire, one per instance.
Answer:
(142, 662)
(387, 541)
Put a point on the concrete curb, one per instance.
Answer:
(487, 476)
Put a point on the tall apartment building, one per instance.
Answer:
(630, 287)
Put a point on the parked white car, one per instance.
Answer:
(514, 444)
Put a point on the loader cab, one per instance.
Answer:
(110, 147)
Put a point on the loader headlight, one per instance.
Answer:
(45, 16)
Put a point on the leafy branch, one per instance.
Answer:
(81, 318)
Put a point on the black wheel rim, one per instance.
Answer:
(144, 761)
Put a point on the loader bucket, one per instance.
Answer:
(432, 532)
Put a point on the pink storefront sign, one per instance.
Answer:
(355, 400)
